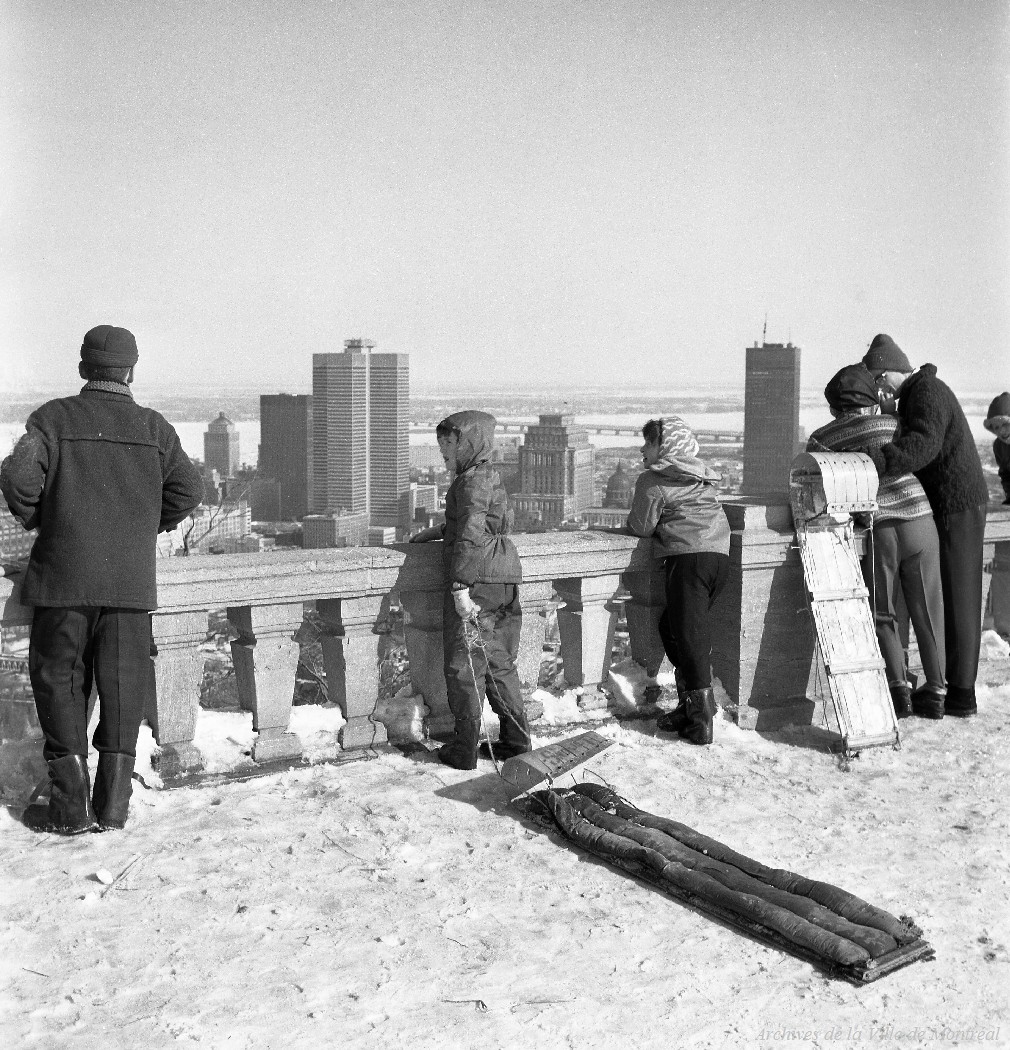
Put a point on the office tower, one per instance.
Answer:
(556, 465)
(284, 485)
(771, 418)
(220, 447)
(360, 431)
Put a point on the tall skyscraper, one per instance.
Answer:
(360, 431)
(556, 465)
(285, 455)
(771, 417)
(220, 446)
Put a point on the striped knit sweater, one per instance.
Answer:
(898, 495)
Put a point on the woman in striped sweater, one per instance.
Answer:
(906, 550)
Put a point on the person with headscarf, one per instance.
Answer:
(676, 502)
(481, 615)
(905, 562)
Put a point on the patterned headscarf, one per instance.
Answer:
(676, 440)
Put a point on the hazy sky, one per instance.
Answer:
(518, 194)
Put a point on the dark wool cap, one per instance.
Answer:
(109, 347)
(999, 412)
(851, 387)
(885, 355)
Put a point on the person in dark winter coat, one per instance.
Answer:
(99, 477)
(935, 444)
(905, 548)
(997, 421)
(481, 614)
(676, 502)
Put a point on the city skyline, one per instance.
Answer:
(568, 194)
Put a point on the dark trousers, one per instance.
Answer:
(961, 539)
(906, 565)
(70, 648)
(475, 669)
(693, 582)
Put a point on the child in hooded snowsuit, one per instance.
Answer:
(481, 615)
(676, 502)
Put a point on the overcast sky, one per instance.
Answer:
(518, 194)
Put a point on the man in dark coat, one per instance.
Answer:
(935, 444)
(99, 477)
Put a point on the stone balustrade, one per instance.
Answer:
(763, 656)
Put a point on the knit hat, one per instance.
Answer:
(999, 413)
(885, 355)
(677, 440)
(851, 387)
(109, 347)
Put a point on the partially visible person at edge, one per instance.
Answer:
(676, 502)
(905, 558)
(997, 421)
(481, 615)
(99, 477)
(935, 444)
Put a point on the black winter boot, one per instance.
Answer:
(927, 703)
(69, 811)
(673, 721)
(113, 788)
(901, 700)
(960, 702)
(700, 712)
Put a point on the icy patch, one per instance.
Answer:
(994, 647)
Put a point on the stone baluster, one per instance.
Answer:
(422, 628)
(586, 624)
(174, 699)
(265, 656)
(351, 644)
(535, 599)
(643, 611)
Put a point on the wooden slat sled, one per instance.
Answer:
(838, 933)
(826, 489)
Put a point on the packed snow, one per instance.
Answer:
(385, 900)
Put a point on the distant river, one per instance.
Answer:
(191, 431)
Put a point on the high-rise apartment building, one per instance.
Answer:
(220, 447)
(360, 431)
(285, 456)
(556, 465)
(771, 418)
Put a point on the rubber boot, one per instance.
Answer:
(676, 720)
(927, 703)
(901, 699)
(700, 711)
(960, 702)
(113, 788)
(461, 751)
(69, 811)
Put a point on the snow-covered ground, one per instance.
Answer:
(390, 901)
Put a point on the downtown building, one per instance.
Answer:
(360, 433)
(220, 447)
(556, 467)
(771, 418)
(283, 489)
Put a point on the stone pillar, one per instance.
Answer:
(535, 599)
(265, 656)
(764, 645)
(422, 629)
(350, 644)
(643, 611)
(174, 700)
(586, 624)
